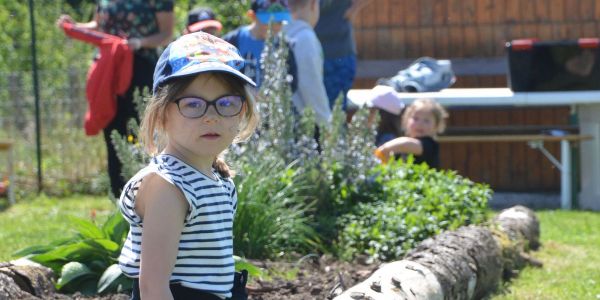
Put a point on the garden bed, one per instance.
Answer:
(313, 278)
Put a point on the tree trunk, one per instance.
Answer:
(464, 264)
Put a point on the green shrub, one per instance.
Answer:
(86, 262)
(273, 211)
(417, 202)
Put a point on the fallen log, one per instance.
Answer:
(23, 279)
(468, 263)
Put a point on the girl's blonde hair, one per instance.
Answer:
(439, 113)
(152, 129)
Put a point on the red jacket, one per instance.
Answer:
(108, 76)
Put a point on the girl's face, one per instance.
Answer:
(421, 123)
(207, 136)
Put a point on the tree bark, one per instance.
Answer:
(467, 263)
(25, 281)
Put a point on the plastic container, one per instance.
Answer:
(570, 65)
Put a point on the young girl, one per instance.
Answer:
(181, 206)
(421, 122)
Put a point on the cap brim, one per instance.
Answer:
(276, 17)
(204, 67)
(198, 26)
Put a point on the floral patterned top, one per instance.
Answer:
(132, 18)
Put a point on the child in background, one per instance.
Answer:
(308, 54)
(421, 122)
(203, 19)
(183, 203)
(250, 39)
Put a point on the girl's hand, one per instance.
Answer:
(382, 154)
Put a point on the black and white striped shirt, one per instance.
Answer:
(205, 258)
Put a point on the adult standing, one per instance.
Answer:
(146, 25)
(334, 30)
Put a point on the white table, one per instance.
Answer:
(587, 104)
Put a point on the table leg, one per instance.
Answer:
(565, 174)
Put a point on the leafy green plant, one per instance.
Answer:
(272, 212)
(417, 202)
(86, 262)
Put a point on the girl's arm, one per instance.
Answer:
(163, 209)
(166, 22)
(401, 145)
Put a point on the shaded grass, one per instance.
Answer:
(571, 255)
(43, 220)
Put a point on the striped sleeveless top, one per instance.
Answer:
(205, 258)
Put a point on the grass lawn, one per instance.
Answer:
(571, 255)
(570, 244)
(43, 220)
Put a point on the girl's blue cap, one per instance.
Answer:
(196, 53)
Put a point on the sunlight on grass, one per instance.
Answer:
(570, 241)
(43, 220)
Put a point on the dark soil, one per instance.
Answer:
(310, 277)
(316, 278)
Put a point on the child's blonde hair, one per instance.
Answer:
(152, 129)
(439, 113)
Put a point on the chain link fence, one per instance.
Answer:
(70, 161)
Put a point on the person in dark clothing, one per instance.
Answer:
(203, 19)
(335, 33)
(145, 25)
(421, 122)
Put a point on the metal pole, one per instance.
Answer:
(565, 174)
(36, 92)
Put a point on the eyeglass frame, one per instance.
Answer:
(210, 103)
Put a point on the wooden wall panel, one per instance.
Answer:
(411, 13)
(484, 11)
(586, 10)
(499, 11)
(440, 13)
(426, 13)
(542, 10)
(426, 42)
(512, 11)
(442, 42)
(589, 30)
(469, 12)
(527, 11)
(453, 11)
(398, 37)
(397, 9)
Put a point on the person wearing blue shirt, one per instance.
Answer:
(250, 39)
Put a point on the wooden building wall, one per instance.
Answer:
(408, 29)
